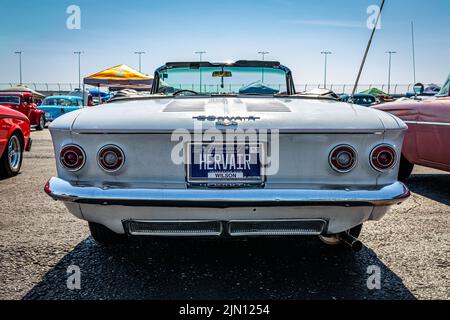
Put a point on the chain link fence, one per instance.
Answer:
(62, 88)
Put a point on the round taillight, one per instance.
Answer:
(72, 157)
(383, 158)
(343, 158)
(111, 158)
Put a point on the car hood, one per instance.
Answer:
(6, 112)
(7, 105)
(286, 114)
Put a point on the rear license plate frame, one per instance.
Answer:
(254, 181)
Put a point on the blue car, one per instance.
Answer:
(56, 106)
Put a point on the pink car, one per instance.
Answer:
(427, 142)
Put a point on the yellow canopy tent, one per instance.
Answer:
(36, 95)
(121, 76)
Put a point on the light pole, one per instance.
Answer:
(19, 53)
(413, 51)
(263, 54)
(325, 53)
(200, 53)
(140, 53)
(79, 53)
(390, 53)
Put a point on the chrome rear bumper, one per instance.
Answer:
(381, 196)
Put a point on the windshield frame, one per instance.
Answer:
(290, 88)
(445, 90)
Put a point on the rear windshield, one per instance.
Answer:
(9, 100)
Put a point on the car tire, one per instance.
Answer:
(334, 241)
(105, 236)
(10, 166)
(405, 170)
(41, 124)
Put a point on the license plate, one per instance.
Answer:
(226, 163)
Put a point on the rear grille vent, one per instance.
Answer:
(267, 107)
(178, 106)
(277, 228)
(242, 228)
(174, 228)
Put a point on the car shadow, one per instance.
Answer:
(183, 269)
(432, 186)
(3, 178)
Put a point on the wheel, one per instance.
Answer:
(103, 235)
(41, 124)
(332, 240)
(405, 170)
(11, 161)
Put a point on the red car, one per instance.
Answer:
(14, 139)
(427, 142)
(24, 103)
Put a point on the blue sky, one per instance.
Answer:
(294, 31)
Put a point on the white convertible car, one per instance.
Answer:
(227, 150)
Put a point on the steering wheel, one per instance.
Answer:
(184, 91)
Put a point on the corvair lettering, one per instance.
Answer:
(226, 119)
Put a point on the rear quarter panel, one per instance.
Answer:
(427, 139)
(433, 134)
(303, 160)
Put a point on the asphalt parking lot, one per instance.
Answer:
(39, 240)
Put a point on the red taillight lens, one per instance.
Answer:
(343, 158)
(111, 158)
(383, 158)
(72, 157)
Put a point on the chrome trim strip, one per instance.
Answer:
(192, 131)
(426, 123)
(62, 190)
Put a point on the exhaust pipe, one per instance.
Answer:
(351, 241)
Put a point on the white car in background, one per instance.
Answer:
(297, 165)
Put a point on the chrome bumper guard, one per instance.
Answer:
(388, 195)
